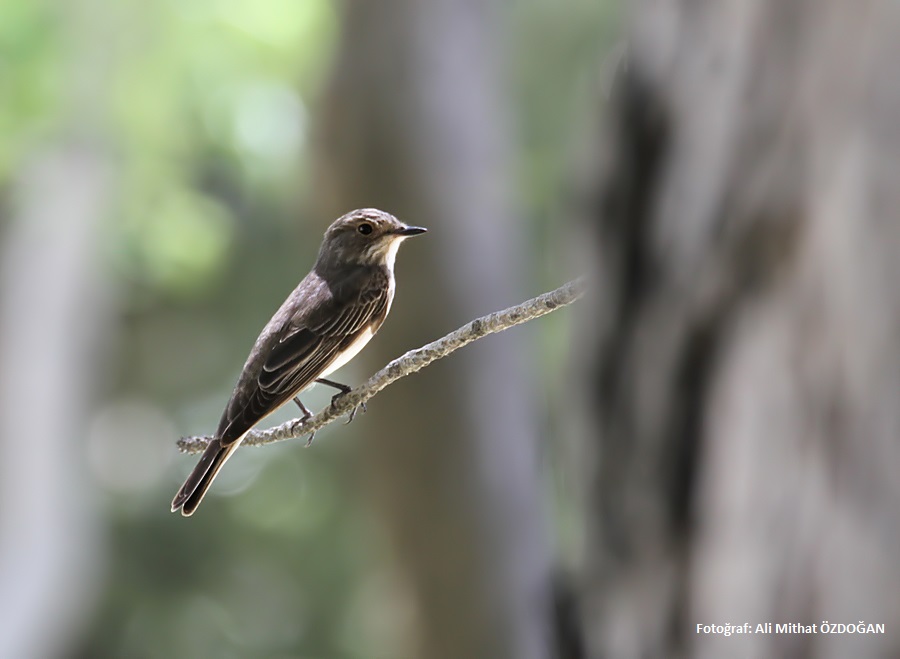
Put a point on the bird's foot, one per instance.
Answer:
(352, 415)
(307, 415)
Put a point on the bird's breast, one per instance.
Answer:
(350, 352)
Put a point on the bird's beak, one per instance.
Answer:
(410, 231)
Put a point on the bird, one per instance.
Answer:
(329, 317)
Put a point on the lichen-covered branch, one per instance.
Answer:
(411, 362)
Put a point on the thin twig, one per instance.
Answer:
(411, 362)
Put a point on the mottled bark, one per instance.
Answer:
(745, 372)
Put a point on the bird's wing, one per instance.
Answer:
(304, 349)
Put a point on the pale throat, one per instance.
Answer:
(390, 256)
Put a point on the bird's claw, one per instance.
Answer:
(352, 415)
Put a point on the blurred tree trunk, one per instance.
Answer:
(415, 123)
(746, 370)
(50, 315)
(54, 316)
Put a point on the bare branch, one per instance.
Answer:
(411, 362)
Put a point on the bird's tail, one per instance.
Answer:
(191, 493)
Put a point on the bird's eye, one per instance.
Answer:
(365, 228)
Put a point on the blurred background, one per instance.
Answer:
(167, 170)
(709, 437)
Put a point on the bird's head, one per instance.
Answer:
(366, 236)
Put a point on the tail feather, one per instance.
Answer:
(192, 492)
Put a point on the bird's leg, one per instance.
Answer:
(343, 390)
(306, 416)
(303, 408)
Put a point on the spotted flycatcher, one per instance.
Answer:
(321, 326)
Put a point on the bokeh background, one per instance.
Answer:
(709, 437)
(167, 170)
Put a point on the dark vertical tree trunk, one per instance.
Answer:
(746, 370)
(415, 123)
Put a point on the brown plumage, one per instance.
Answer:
(323, 324)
